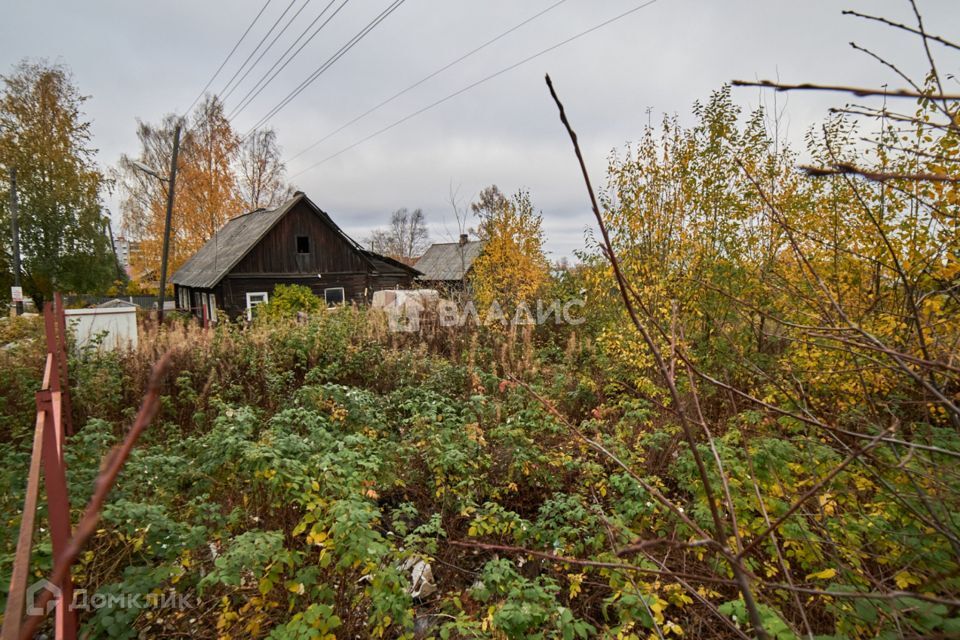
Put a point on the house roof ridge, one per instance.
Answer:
(266, 210)
(449, 260)
(238, 235)
(454, 242)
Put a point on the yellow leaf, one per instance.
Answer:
(905, 579)
(826, 574)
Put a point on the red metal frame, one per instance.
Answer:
(53, 424)
(61, 347)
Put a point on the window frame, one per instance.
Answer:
(343, 296)
(251, 304)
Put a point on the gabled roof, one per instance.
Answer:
(228, 246)
(448, 260)
(116, 303)
(379, 262)
(239, 235)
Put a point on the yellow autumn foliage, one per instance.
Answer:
(512, 267)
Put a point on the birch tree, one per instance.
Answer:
(407, 235)
(512, 267)
(44, 135)
(261, 172)
(207, 186)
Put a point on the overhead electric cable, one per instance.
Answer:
(253, 66)
(257, 48)
(473, 85)
(262, 83)
(426, 78)
(326, 65)
(229, 55)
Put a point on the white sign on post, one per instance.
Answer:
(16, 294)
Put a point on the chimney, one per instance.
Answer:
(463, 239)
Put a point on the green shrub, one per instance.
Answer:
(287, 301)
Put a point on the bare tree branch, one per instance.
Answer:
(844, 168)
(902, 27)
(738, 569)
(857, 91)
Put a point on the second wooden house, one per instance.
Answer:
(296, 243)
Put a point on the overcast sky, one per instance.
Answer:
(145, 59)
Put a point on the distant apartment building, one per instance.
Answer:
(127, 251)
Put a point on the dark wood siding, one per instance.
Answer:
(236, 287)
(231, 293)
(332, 262)
(390, 281)
(277, 252)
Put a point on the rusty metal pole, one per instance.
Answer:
(58, 506)
(61, 351)
(50, 403)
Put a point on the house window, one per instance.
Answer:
(253, 299)
(333, 296)
(303, 244)
(184, 298)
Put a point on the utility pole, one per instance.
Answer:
(171, 187)
(113, 245)
(15, 232)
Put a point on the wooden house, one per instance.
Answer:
(296, 243)
(447, 266)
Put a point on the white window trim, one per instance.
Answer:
(343, 295)
(250, 306)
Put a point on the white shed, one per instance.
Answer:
(117, 326)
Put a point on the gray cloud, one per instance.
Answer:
(142, 60)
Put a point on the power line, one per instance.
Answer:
(264, 80)
(329, 63)
(428, 77)
(262, 83)
(475, 84)
(226, 95)
(259, 44)
(229, 55)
